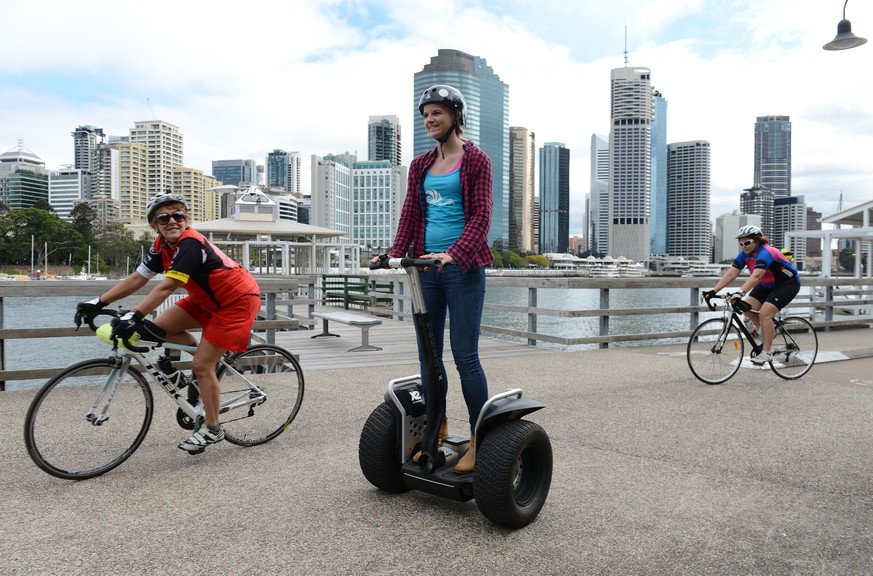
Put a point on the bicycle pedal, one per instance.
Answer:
(195, 452)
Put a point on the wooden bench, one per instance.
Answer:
(362, 322)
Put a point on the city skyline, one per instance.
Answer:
(720, 67)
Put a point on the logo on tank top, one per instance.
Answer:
(434, 198)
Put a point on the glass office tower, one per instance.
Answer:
(487, 100)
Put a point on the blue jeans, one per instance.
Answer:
(461, 295)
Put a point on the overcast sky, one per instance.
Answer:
(240, 79)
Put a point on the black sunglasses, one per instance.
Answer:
(164, 219)
(746, 243)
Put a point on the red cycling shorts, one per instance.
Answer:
(228, 328)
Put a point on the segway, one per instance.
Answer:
(513, 469)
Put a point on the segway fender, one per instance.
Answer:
(509, 409)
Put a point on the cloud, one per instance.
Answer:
(241, 80)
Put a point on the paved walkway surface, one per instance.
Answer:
(655, 473)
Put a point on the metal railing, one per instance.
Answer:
(279, 296)
(826, 302)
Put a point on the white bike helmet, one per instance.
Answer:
(749, 231)
(162, 200)
(447, 95)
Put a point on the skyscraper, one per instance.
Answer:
(133, 182)
(773, 155)
(789, 213)
(85, 141)
(383, 139)
(658, 200)
(554, 198)
(598, 203)
(630, 163)
(235, 172)
(757, 200)
(689, 232)
(332, 193)
(487, 125)
(283, 170)
(726, 227)
(378, 190)
(522, 144)
(164, 146)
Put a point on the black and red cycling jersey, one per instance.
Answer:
(213, 280)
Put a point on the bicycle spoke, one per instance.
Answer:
(71, 435)
(795, 347)
(715, 351)
(262, 390)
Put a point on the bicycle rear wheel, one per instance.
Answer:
(68, 434)
(795, 347)
(260, 395)
(715, 351)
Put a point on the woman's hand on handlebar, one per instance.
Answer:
(443, 258)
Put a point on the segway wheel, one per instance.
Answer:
(513, 473)
(378, 452)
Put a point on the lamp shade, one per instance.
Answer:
(844, 38)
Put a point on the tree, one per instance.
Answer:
(847, 259)
(538, 260)
(30, 230)
(116, 244)
(83, 216)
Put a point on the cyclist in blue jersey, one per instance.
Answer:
(772, 284)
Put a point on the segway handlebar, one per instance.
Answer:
(386, 262)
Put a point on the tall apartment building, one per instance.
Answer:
(630, 163)
(283, 169)
(164, 146)
(332, 193)
(98, 161)
(522, 144)
(598, 200)
(239, 172)
(383, 139)
(689, 231)
(487, 100)
(658, 200)
(757, 200)
(789, 214)
(773, 155)
(133, 178)
(726, 226)
(378, 190)
(194, 186)
(554, 198)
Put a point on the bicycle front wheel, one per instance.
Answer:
(261, 393)
(715, 351)
(795, 347)
(88, 419)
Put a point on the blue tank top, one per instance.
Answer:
(444, 218)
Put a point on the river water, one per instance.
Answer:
(588, 299)
(43, 312)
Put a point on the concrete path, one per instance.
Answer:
(655, 473)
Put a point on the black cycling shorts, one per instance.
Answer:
(779, 296)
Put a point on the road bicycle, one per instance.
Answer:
(92, 416)
(716, 347)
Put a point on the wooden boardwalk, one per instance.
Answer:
(396, 338)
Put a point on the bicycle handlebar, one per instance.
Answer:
(385, 262)
(736, 304)
(115, 314)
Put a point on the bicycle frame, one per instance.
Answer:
(196, 412)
